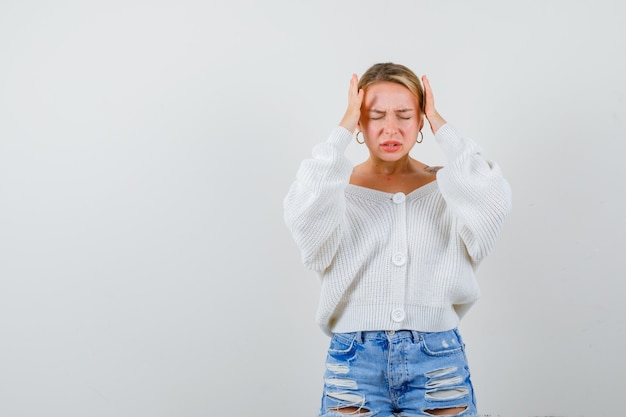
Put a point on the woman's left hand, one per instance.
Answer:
(434, 118)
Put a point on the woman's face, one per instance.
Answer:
(390, 120)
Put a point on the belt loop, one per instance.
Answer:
(358, 336)
(416, 336)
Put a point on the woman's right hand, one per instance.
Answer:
(353, 112)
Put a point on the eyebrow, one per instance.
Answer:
(403, 110)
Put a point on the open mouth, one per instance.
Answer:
(391, 146)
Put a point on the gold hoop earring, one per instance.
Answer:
(360, 142)
(420, 141)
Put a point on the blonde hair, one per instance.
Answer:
(394, 73)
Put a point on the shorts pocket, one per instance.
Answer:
(343, 346)
(442, 343)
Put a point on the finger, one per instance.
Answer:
(354, 85)
(353, 80)
(356, 101)
(427, 89)
(428, 93)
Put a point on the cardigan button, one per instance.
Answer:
(399, 198)
(398, 259)
(398, 315)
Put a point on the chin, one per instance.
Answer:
(391, 157)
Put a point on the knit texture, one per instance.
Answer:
(393, 261)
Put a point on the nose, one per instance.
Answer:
(391, 125)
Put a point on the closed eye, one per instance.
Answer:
(405, 114)
(376, 114)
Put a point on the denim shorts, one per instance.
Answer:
(402, 373)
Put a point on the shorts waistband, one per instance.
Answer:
(414, 335)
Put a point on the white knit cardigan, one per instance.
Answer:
(394, 261)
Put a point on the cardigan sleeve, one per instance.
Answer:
(475, 190)
(314, 208)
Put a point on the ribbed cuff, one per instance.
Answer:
(340, 137)
(452, 143)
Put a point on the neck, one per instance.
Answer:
(391, 168)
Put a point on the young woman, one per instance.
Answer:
(396, 244)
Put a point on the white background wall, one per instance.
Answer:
(146, 147)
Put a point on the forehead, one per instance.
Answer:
(388, 94)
